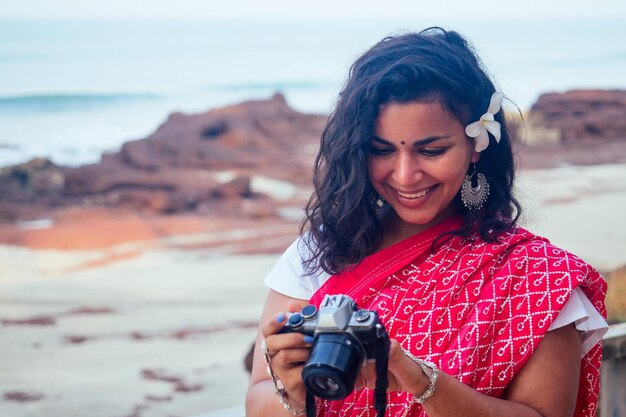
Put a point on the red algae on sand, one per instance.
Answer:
(90, 310)
(159, 375)
(22, 396)
(51, 319)
(76, 340)
(31, 321)
(191, 332)
(183, 387)
(158, 399)
(178, 384)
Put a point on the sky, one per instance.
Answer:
(279, 9)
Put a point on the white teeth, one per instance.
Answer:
(416, 195)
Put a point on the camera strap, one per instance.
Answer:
(310, 404)
(382, 380)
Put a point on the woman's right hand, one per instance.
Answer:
(287, 353)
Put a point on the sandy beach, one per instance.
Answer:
(163, 334)
(159, 327)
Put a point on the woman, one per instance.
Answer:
(413, 216)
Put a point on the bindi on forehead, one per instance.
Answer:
(402, 143)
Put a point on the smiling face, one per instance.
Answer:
(417, 160)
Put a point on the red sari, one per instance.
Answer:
(477, 310)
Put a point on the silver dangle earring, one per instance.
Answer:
(474, 197)
(378, 200)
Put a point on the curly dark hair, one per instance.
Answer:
(432, 65)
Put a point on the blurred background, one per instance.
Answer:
(84, 77)
(155, 157)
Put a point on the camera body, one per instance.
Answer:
(344, 337)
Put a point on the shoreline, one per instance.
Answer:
(552, 200)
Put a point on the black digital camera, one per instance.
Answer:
(344, 337)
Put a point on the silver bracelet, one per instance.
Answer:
(431, 371)
(280, 391)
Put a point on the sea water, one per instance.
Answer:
(73, 89)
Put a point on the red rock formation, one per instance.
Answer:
(257, 136)
(579, 115)
(205, 162)
(191, 161)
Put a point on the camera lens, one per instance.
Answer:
(325, 384)
(333, 365)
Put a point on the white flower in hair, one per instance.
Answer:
(486, 124)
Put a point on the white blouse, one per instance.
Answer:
(288, 277)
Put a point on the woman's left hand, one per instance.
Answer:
(403, 373)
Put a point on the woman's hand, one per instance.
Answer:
(403, 374)
(287, 352)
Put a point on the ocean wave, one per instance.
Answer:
(62, 101)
